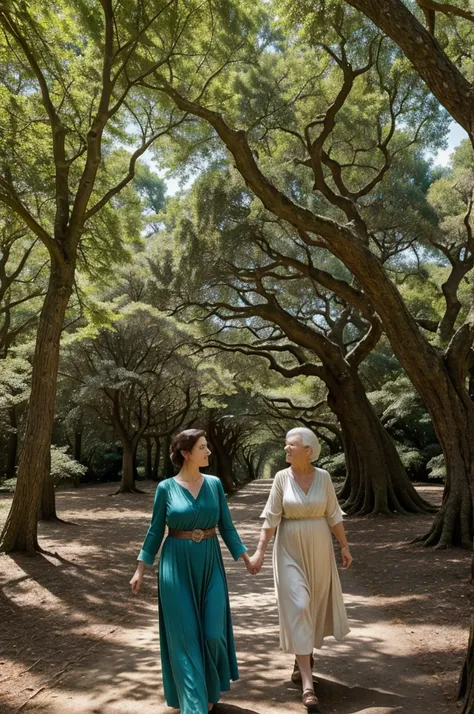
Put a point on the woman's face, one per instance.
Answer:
(295, 451)
(199, 454)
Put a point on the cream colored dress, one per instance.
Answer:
(308, 589)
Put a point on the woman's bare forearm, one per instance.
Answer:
(340, 534)
(266, 535)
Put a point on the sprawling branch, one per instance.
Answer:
(441, 75)
(58, 130)
(9, 198)
(459, 349)
(307, 369)
(365, 346)
(446, 9)
(131, 170)
(342, 240)
(339, 287)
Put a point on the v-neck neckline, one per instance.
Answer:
(305, 494)
(195, 498)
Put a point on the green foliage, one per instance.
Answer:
(334, 463)
(437, 467)
(275, 69)
(15, 373)
(64, 467)
(404, 416)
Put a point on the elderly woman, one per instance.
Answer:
(196, 640)
(303, 505)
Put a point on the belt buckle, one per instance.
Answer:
(197, 535)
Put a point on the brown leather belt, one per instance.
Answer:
(197, 535)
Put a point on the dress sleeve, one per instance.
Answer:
(156, 531)
(273, 511)
(333, 513)
(226, 527)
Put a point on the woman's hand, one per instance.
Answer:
(256, 561)
(346, 557)
(248, 564)
(136, 581)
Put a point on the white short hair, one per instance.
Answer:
(308, 438)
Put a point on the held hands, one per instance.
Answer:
(256, 561)
(346, 557)
(249, 564)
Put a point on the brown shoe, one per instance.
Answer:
(310, 701)
(296, 674)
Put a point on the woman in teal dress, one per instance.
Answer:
(196, 640)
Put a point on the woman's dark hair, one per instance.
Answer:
(184, 441)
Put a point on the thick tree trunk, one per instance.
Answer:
(376, 481)
(453, 524)
(129, 453)
(48, 500)
(224, 467)
(441, 384)
(127, 484)
(21, 527)
(10, 470)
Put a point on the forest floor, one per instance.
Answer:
(73, 640)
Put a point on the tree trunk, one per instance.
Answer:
(453, 524)
(376, 481)
(224, 467)
(440, 382)
(127, 484)
(156, 461)
(259, 471)
(78, 445)
(148, 458)
(48, 500)
(10, 471)
(168, 468)
(21, 528)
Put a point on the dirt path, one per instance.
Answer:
(74, 641)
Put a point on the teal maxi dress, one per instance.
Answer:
(196, 639)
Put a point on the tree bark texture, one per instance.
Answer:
(10, 470)
(376, 481)
(48, 500)
(20, 532)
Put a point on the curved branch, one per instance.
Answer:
(365, 346)
(446, 9)
(441, 75)
(307, 369)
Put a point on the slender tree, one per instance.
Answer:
(70, 93)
